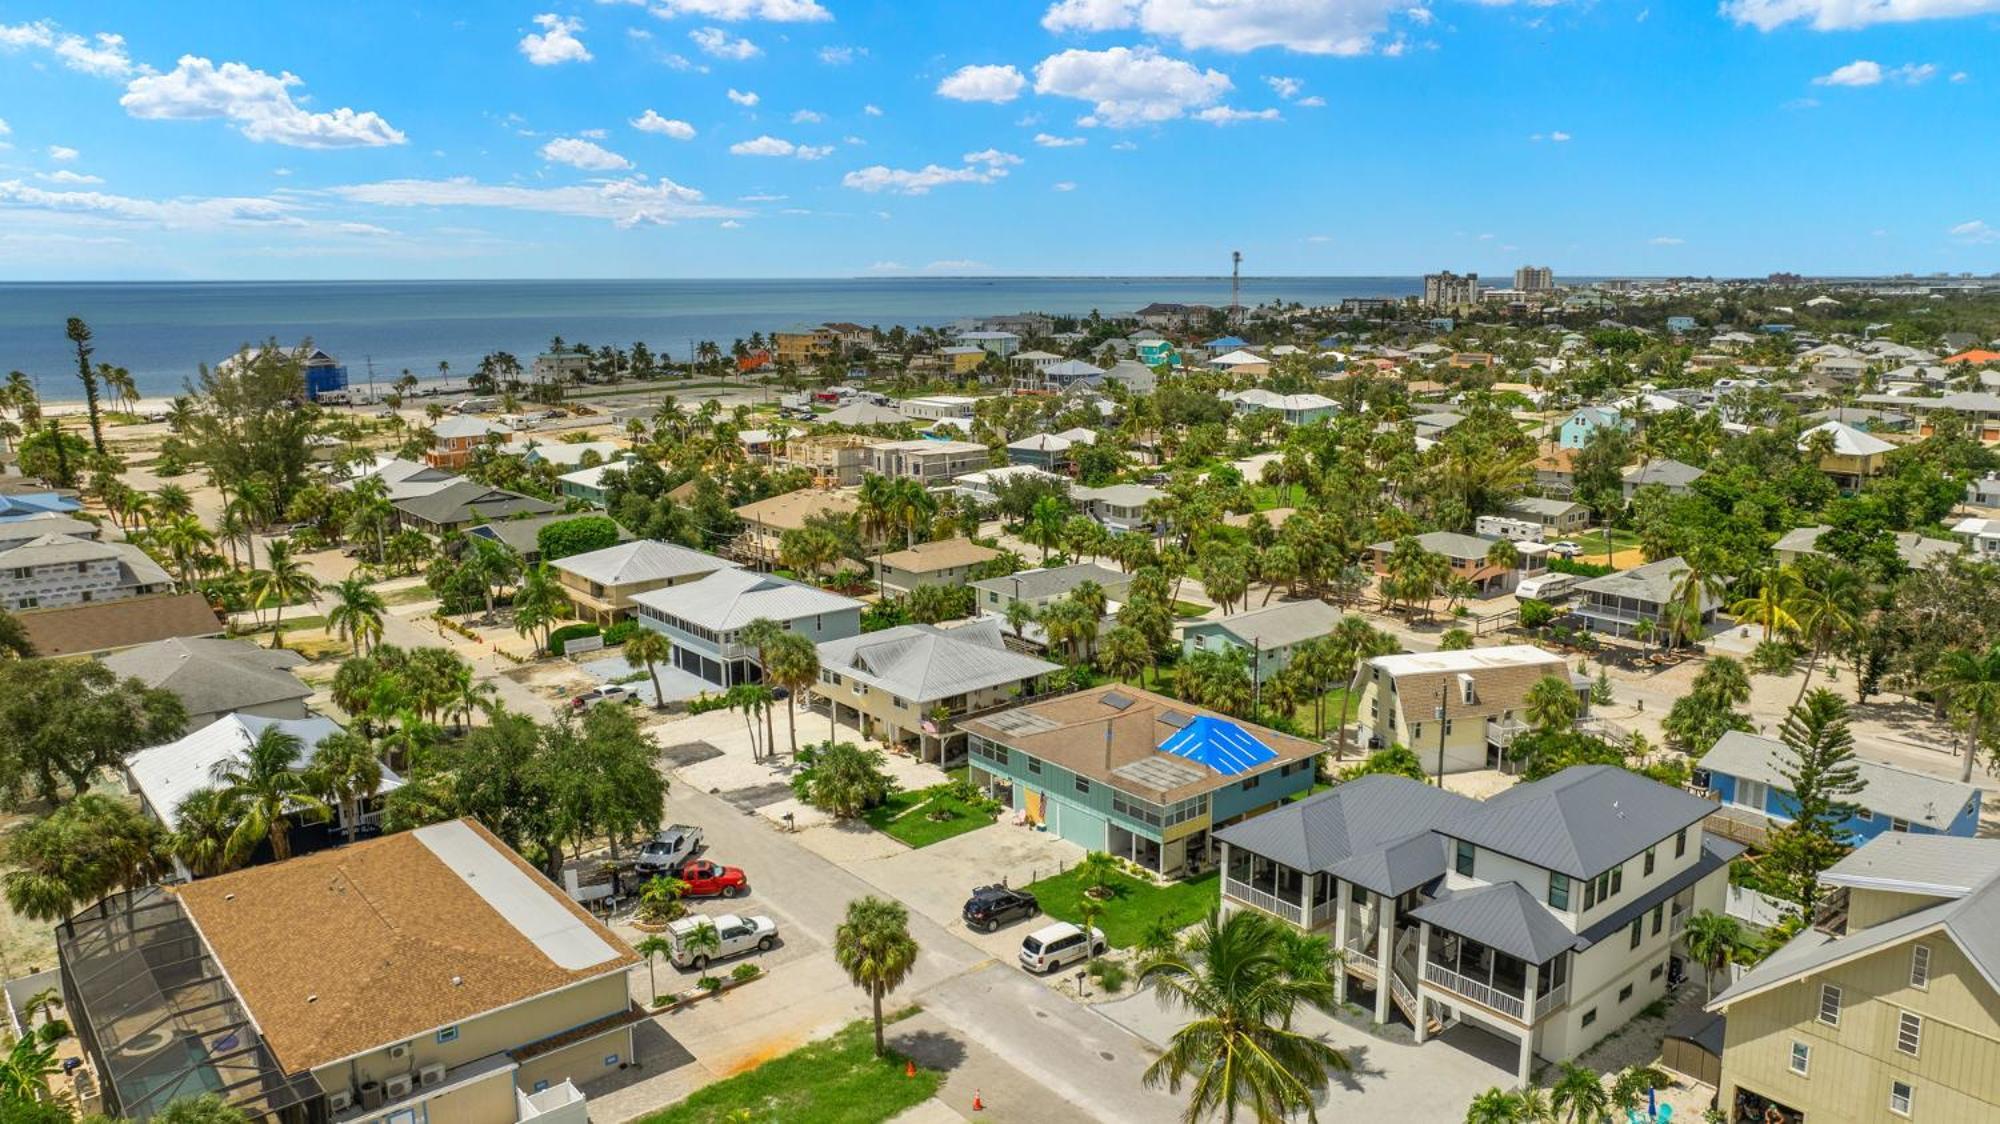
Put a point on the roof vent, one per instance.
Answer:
(312, 998)
(458, 981)
(230, 897)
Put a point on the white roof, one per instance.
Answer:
(730, 599)
(1042, 443)
(463, 426)
(1847, 440)
(640, 561)
(567, 454)
(1886, 790)
(402, 480)
(168, 774)
(1465, 659)
(1236, 358)
(922, 663)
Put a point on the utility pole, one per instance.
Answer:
(1444, 695)
(1235, 287)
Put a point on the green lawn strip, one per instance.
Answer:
(1304, 714)
(1133, 905)
(836, 1080)
(906, 816)
(1190, 609)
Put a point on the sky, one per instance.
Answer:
(835, 138)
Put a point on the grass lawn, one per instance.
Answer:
(1133, 905)
(837, 1080)
(1190, 609)
(409, 595)
(1593, 542)
(1304, 714)
(906, 816)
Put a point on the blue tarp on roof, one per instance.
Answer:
(1221, 745)
(1226, 342)
(25, 504)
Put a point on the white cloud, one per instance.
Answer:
(1047, 140)
(1866, 72)
(65, 176)
(594, 134)
(979, 167)
(778, 146)
(887, 267)
(187, 212)
(1228, 115)
(102, 55)
(731, 11)
(719, 43)
(1064, 185)
(1286, 88)
(852, 139)
(627, 202)
(872, 110)
(1125, 146)
(1976, 232)
(260, 104)
(1422, 17)
(1318, 239)
(956, 265)
(587, 155)
(1313, 102)
(1846, 15)
(63, 153)
(840, 56)
(1129, 86)
(1960, 76)
(731, 224)
(762, 198)
(741, 98)
(806, 117)
(5, 128)
(983, 83)
(1312, 27)
(1666, 240)
(365, 229)
(556, 42)
(651, 122)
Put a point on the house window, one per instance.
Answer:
(1465, 858)
(1416, 731)
(1252, 782)
(1649, 861)
(1658, 971)
(1920, 967)
(1638, 931)
(1082, 786)
(1034, 766)
(1801, 1058)
(1896, 824)
(1900, 1096)
(1829, 1004)
(1909, 1033)
(1681, 843)
(1624, 993)
(1558, 891)
(1659, 917)
(447, 1034)
(1590, 1016)
(1617, 881)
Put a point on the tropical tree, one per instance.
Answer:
(652, 948)
(762, 634)
(26, 1067)
(649, 648)
(1044, 527)
(79, 335)
(1770, 607)
(14, 641)
(538, 603)
(267, 790)
(1578, 1096)
(1629, 1089)
(208, 1108)
(875, 948)
(1237, 1050)
(1505, 1106)
(794, 665)
(1970, 684)
(1713, 939)
(1551, 704)
(282, 581)
(203, 824)
(1827, 608)
(357, 613)
(79, 853)
(1820, 772)
(1124, 653)
(843, 779)
(346, 769)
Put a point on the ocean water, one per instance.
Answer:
(162, 331)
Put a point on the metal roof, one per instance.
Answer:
(923, 663)
(1583, 820)
(1351, 819)
(1931, 801)
(642, 561)
(1275, 626)
(730, 599)
(1501, 916)
(166, 775)
(1945, 866)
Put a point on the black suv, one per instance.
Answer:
(993, 906)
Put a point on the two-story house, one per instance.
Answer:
(454, 439)
(928, 462)
(53, 571)
(1140, 775)
(1548, 913)
(1743, 772)
(431, 975)
(601, 583)
(909, 685)
(1295, 409)
(1119, 507)
(1660, 472)
(834, 459)
(1468, 557)
(1267, 636)
(705, 619)
(1578, 427)
(1886, 1008)
(1616, 603)
(1039, 587)
(765, 521)
(1847, 454)
(1464, 707)
(946, 562)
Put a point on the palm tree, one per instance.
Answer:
(79, 334)
(1238, 1050)
(538, 603)
(651, 948)
(876, 950)
(28, 1064)
(1768, 608)
(794, 665)
(1578, 1096)
(1502, 1106)
(1970, 682)
(846, 780)
(649, 648)
(1125, 653)
(1826, 608)
(1551, 704)
(1713, 939)
(205, 821)
(208, 1108)
(762, 634)
(266, 788)
(877, 508)
(357, 613)
(1018, 614)
(282, 581)
(347, 769)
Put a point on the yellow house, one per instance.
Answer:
(427, 976)
(1849, 455)
(1482, 693)
(962, 360)
(601, 583)
(1888, 1007)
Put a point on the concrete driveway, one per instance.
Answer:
(717, 748)
(936, 880)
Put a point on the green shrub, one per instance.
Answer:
(745, 972)
(570, 632)
(619, 633)
(1109, 974)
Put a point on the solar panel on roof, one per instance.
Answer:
(1174, 718)
(1115, 701)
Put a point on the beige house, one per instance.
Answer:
(834, 459)
(431, 975)
(601, 584)
(1887, 1008)
(766, 521)
(947, 562)
(906, 685)
(932, 462)
(1849, 455)
(1482, 692)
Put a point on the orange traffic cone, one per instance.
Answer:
(909, 1068)
(977, 1104)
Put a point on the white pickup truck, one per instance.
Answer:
(734, 936)
(668, 849)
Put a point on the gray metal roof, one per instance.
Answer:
(1353, 819)
(1664, 470)
(1502, 916)
(1276, 626)
(1397, 868)
(642, 561)
(1054, 581)
(1889, 791)
(1451, 544)
(211, 675)
(923, 663)
(1540, 505)
(1941, 865)
(1583, 820)
(1654, 582)
(730, 599)
(464, 500)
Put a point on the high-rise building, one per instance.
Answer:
(1534, 279)
(1451, 290)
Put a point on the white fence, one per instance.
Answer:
(1759, 909)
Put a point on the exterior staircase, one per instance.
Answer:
(1403, 994)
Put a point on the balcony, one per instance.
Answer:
(1491, 998)
(1503, 731)
(557, 1104)
(1267, 902)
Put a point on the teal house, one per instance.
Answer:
(1158, 353)
(1576, 430)
(1140, 775)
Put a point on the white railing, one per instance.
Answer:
(1403, 995)
(1322, 914)
(1361, 942)
(1482, 994)
(1553, 1001)
(1270, 903)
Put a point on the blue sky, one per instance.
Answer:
(773, 138)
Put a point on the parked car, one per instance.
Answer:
(734, 936)
(670, 847)
(609, 692)
(1053, 947)
(1565, 548)
(990, 907)
(709, 880)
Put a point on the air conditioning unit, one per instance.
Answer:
(431, 1074)
(400, 1051)
(339, 1101)
(397, 1087)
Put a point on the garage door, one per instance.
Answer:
(1079, 826)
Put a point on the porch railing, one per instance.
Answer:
(1321, 914)
(1402, 993)
(1553, 1001)
(1270, 903)
(1482, 994)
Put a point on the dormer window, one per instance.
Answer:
(1466, 858)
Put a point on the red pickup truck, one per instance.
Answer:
(707, 880)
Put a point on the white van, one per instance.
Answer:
(1545, 587)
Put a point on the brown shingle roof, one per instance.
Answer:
(348, 950)
(789, 511)
(103, 626)
(930, 557)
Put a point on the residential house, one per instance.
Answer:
(28, 528)
(949, 563)
(1555, 472)
(1864, 419)
(805, 345)
(929, 462)
(834, 459)
(1980, 409)
(985, 485)
(560, 368)
(1266, 636)
(858, 415)
(1616, 603)
(401, 479)
(1001, 345)
(54, 571)
(1468, 556)
(1038, 588)
(1661, 472)
(1886, 1007)
(1576, 430)
(1550, 914)
(523, 535)
(1744, 773)
(600, 584)
(1851, 456)
(1153, 353)
(1046, 451)
(1558, 518)
(1296, 409)
(705, 619)
(565, 456)
(908, 685)
(590, 484)
(109, 626)
(1980, 536)
(1482, 693)
(962, 360)
(1062, 375)
(1985, 491)
(1142, 776)
(1247, 364)
(1915, 550)
(213, 678)
(428, 975)
(937, 406)
(1164, 314)
(1139, 378)
(1119, 507)
(464, 503)
(765, 521)
(454, 439)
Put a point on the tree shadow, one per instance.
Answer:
(931, 1049)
